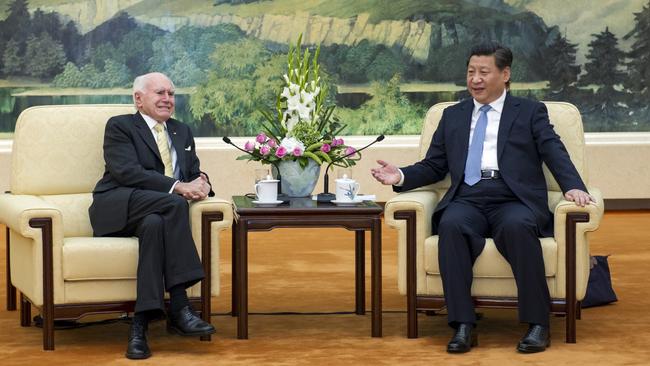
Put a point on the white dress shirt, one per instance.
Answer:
(172, 152)
(489, 157)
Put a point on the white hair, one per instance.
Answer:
(141, 82)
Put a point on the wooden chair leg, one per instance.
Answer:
(25, 312)
(579, 311)
(47, 310)
(206, 253)
(11, 290)
(571, 302)
(411, 275)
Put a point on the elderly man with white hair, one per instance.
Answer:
(151, 171)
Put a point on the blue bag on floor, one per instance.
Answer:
(599, 288)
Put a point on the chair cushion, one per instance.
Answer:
(490, 264)
(88, 258)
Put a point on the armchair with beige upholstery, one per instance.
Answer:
(566, 254)
(52, 257)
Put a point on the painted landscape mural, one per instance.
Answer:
(386, 60)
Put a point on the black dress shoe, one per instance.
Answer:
(463, 340)
(537, 338)
(138, 348)
(186, 323)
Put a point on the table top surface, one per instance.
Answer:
(306, 205)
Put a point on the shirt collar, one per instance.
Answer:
(151, 122)
(497, 105)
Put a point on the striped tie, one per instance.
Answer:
(163, 148)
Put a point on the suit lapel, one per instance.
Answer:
(464, 125)
(146, 135)
(508, 116)
(178, 140)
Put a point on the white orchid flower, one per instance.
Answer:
(306, 97)
(294, 88)
(293, 102)
(304, 111)
(291, 118)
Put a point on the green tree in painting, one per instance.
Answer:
(603, 70)
(116, 74)
(562, 71)
(233, 91)
(18, 24)
(70, 77)
(185, 72)
(385, 65)
(136, 49)
(44, 57)
(356, 62)
(12, 59)
(639, 68)
(185, 54)
(389, 112)
(102, 52)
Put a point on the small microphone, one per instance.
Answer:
(326, 196)
(227, 140)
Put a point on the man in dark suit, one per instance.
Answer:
(493, 146)
(151, 171)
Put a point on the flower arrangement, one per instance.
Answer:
(302, 127)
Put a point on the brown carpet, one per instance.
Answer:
(313, 271)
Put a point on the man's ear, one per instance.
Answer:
(137, 99)
(506, 74)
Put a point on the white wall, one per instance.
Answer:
(617, 162)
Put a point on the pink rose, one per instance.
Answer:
(272, 143)
(326, 148)
(265, 150)
(281, 152)
(297, 151)
(261, 138)
(350, 150)
(249, 146)
(337, 142)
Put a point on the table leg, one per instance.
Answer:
(360, 272)
(375, 263)
(242, 279)
(233, 272)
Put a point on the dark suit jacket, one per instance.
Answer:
(133, 162)
(525, 140)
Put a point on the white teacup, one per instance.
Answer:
(267, 190)
(346, 189)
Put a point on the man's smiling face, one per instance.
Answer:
(157, 98)
(485, 82)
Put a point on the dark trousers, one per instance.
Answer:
(167, 254)
(490, 209)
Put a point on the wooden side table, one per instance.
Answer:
(301, 213)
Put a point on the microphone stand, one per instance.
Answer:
(326, 196)
(281, 196)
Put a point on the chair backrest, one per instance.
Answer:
(566, 121)
(58, 149)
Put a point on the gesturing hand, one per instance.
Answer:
(581, 198)
(386, 174)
